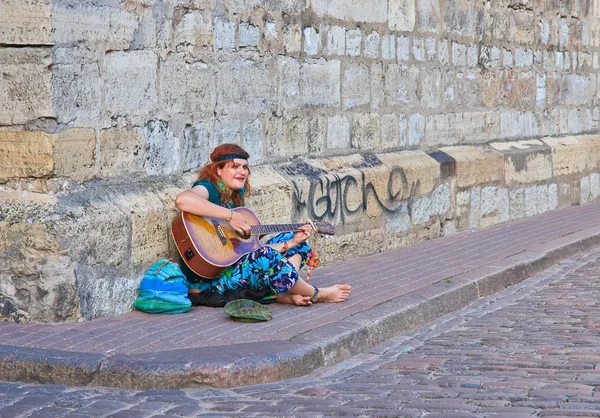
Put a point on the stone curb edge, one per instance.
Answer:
(263, 362)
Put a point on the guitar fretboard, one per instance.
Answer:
(274, 229)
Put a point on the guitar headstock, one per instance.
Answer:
(323, 228)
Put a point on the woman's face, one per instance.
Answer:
(234, 174)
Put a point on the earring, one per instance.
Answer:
(221, 185)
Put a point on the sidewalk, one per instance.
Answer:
(392, 292)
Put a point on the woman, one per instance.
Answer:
(266, 273)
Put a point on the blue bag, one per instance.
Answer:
(163, 289)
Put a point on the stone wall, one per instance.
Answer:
(395, 120)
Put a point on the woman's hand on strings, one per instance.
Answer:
(239, 224)
(302, 234)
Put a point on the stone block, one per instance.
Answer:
(525, 161)
(459, 54)
(430, 48)
(415, 129)
(131, 80)
(197, 145)
(472, 56)
(450, 128)
(100, 28)
(336, 40)
(37, 278)
(460, 18)
(418, 48)
(374, 11)
(195, 28)
(430, 88)
(96, 229)
(286, 6)
(320, 81)
(507, 58)
(317, 135)
(592, 151)
(105, 295)
(25, 85)
(150, 232)
(356, 86)
(289, 83)
(249, 35)
(390, 131)
(225, 130)
(338, 132)
(518, 124)
(401, 84)
(312, 40)
(70, 153)
(253, 134)
(476, 166)
(245, 87)
(428, 16)
(353, 42)
(271, 31)
(575, 90)
(536, 200)
(388, 47)
(25, 154)
(25, 22)
(376, 85)
(563, 33)
(188, 88)
(76, 93)
(412, 173)
(424, 208)
(490, 56)
(403, 48)
(75, 154)
(402, 15)
(523, 57)
(568, 155)
(122, 151)
(372, 45)
(223, 34)
(443, 52)
(162, 149)
(292, 37)
(271, 197)
(287, 137)
(365, 131)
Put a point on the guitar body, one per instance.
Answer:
(208, 245)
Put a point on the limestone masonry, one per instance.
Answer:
(397, 121)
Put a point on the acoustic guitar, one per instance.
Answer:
(208, 245)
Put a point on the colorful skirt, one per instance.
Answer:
(264, 271)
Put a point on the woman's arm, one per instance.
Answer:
(195, 201)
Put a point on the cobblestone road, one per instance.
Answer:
(531, 350)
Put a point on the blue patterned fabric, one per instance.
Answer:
(163, 289)
(262, 269)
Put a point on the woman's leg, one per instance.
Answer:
(301, 292)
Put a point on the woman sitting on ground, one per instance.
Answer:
(270, 272)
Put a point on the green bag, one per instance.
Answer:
(164, 289)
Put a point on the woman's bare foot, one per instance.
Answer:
(293, 299)
(335, 293)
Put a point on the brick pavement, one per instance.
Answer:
(394, 291)
(531, 350)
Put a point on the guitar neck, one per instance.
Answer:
(274, 229)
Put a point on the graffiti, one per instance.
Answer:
(328, 196)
